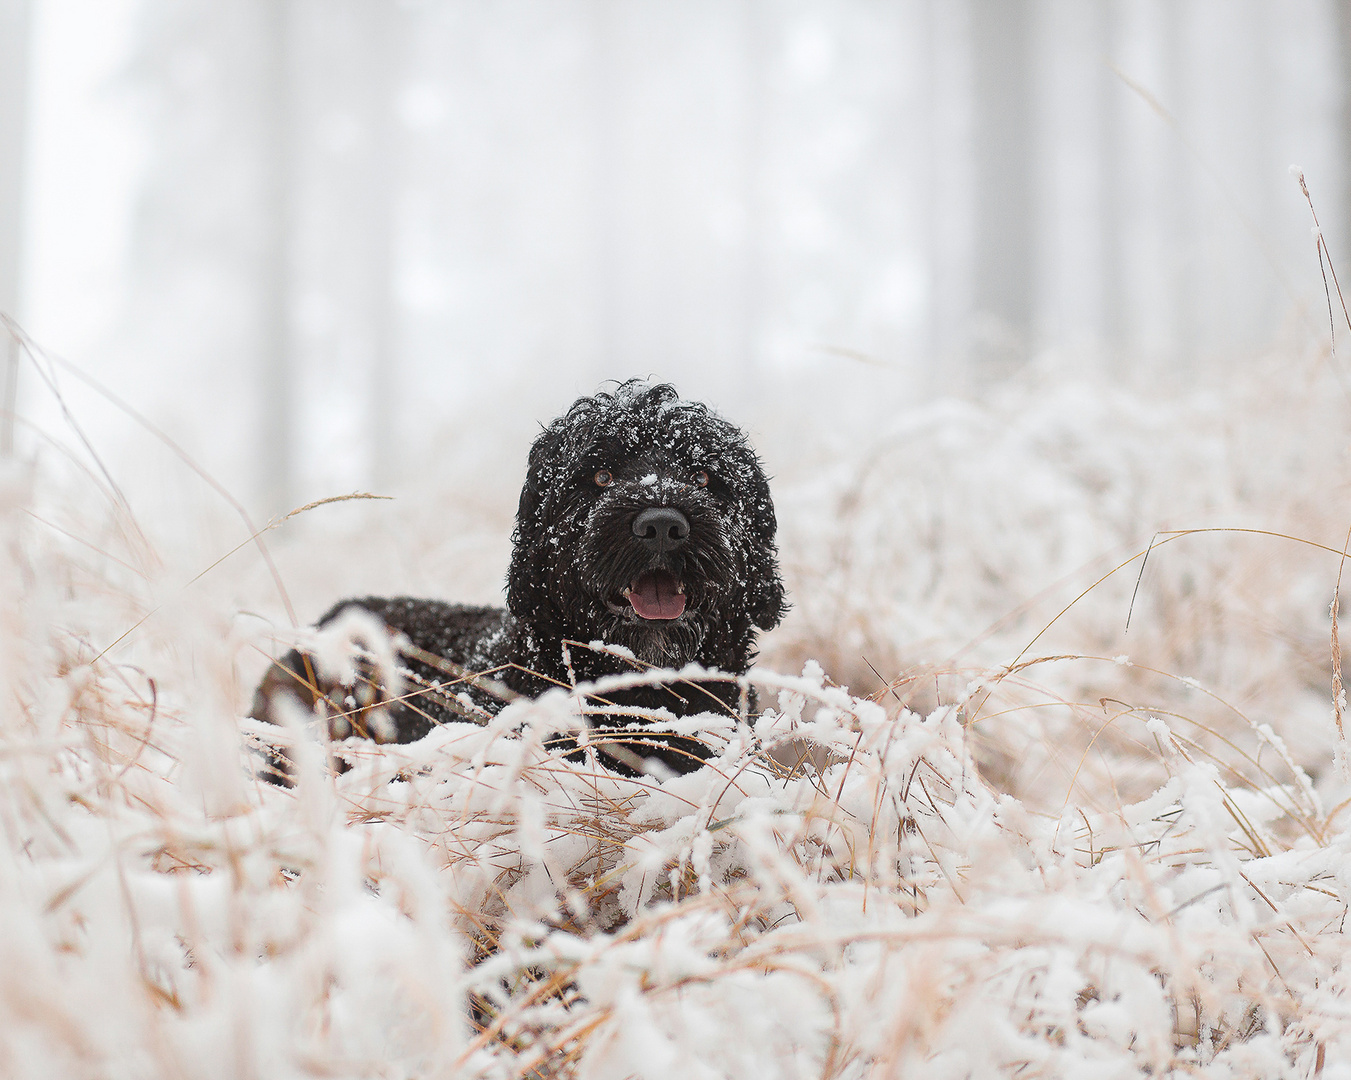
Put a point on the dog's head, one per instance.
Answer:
(646, 522)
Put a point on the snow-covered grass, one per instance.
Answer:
(1043, 845)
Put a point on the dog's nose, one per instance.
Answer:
(661, 528)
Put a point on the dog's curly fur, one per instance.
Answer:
(580, 555)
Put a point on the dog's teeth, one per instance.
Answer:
(680, 588)
(626, 593)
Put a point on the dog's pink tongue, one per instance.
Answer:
(654, 596)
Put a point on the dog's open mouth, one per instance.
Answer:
(656, 594)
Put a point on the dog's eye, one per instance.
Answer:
(603, 478)
(701, 478)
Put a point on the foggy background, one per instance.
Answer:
(309, 239)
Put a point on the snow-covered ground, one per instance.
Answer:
(1042, 844)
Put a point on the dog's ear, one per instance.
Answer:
(525, 577)
(766, 601)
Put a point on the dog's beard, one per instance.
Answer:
(662, 645)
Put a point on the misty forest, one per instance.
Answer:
(1034, 312)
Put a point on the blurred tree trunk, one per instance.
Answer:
(1182, 207)
(376, 69)
(1002, 133)
(756, 31)
(1342, 213)
(387, 386)
(1111, 205)
(605, 183)
(14, 47)
(277, 440)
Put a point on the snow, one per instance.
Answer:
(1009, 859)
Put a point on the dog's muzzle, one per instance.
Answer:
(657, 595)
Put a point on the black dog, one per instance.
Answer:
(646, 523)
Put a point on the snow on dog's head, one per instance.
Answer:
(646, 521)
